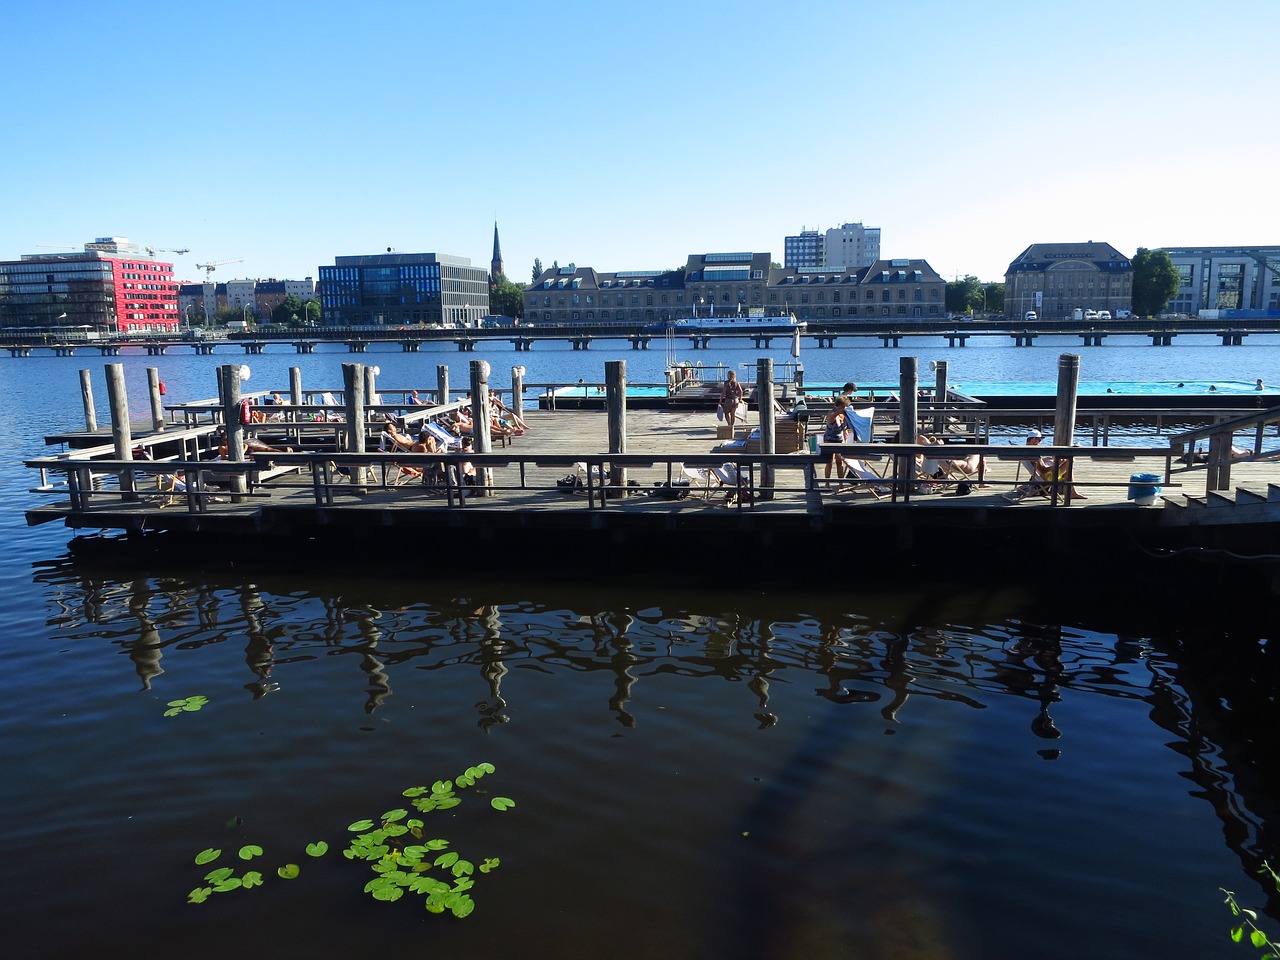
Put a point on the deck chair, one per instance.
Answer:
(699, 479)
(448, 442)
(1041, 484)
(393, 472)
(727, 476)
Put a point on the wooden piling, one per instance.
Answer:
(295, 387)
(442, 383)
(768, 431)
(517, 390)
(939, 394)
(353, 407)
(86, 396)
(908, 411)
(157, 404)
(481, 437)
(229, 385)
(121, 430)
(615, 389)
(1064, 414)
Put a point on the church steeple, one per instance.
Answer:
(495, 267)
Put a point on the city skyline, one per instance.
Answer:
(287, 136)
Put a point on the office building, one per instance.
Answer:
(112, 286)
(399, 289)
(849, 246)
(1226, 278)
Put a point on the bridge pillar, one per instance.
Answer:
(357, 346)
(465, 345)
(64, 350)
(106, 349)
(157, 349)
(1092, 338)
(1024, 339)
(304, 346)
(204, 349)
(891, 339)
(957, 338)
(408, 346)
(17, 351)
(1232, 338)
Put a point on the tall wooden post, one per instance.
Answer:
(517, 391)
(908, 414)
(768, 432)
(481, 438)
(939, 395)
(295, 386)
(353, 406)
(121, 429)
(371, 385)
(442, 383)
(157, 405)
(615, 390)
(1064, 413)
(229, 383)
(86, 396)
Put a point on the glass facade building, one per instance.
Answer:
(117, 291)
(402, 289)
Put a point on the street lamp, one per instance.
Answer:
(245, 313)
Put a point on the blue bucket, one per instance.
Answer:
(1144, 488)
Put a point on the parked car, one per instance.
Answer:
(1029, 315)
(1104, 314)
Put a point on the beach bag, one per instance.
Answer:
(719, 411)
(569, 483)
(741, 411)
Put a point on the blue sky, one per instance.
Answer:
(627, 136)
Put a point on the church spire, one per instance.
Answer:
(495, 267)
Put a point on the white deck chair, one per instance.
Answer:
(442, 436)
(699, 479)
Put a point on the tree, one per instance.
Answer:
(537, 268)
(963, 295)
(995, 297)
(291, 309)
(1155, 281)
(506, 298)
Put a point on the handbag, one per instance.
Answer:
(719, 411)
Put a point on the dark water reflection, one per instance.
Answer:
(929, 772)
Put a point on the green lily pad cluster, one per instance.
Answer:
(185, 705)
(403, 861)
(395, 849)
(224, 879)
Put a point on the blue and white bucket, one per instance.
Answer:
(1144, 489)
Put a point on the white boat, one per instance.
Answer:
(732, 323)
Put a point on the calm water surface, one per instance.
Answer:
(866, 769)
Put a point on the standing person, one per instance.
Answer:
(835, 429)
(731, 394)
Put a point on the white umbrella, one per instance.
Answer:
(795, 345)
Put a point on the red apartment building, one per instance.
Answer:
(113, 286)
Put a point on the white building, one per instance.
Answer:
(850, 246)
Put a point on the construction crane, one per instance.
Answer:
(152, 251)
(208, 268)
(60, 246)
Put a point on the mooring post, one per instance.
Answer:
(481, 436)
(939, 395)
(768, 434)
(157, 405)
(86, 396)
(517, 391)
(229, 385)
(908, 415)
(371, 397)
(1064, 414)
(353, 407)
(615, 391)
(442, 383)
(121, 430)
(295, 388)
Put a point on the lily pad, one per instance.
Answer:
(207, 856)
(289, 871)
(502, 803)
(317, 849)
